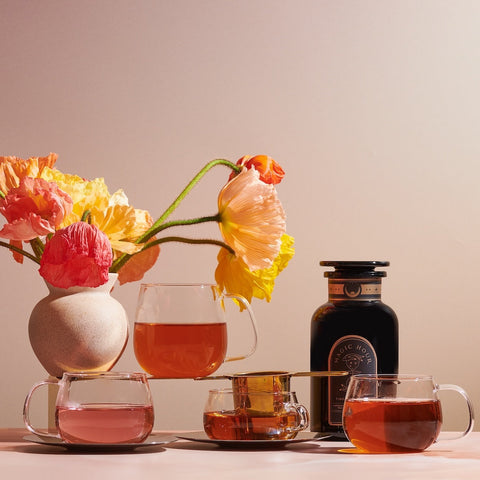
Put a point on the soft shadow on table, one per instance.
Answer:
(54, 450)
(322, 449)
(452, 454)
(307, 447)
(187, 445)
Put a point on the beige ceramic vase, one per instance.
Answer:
(78, 329)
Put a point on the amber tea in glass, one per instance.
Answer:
(395, 413)
(229, 415)
(181, 331)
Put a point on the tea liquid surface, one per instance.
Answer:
(180, 350)
(235, 425)
(392, 426)
(105, 423)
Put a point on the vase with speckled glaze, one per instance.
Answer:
(78, 329)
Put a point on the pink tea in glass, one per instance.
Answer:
(104, 423)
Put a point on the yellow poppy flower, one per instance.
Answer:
(116, 222)
(252, 219)
(86, 195)
(234, 276)
(123, 225)
(112, 214)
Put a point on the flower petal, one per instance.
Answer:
(18, 257)
(86, 195)
(78, 255)
(234, 276)
(33, 209)
(252, 219)
(270, 171)
(136, 267)
(13, 169)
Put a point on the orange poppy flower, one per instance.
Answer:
(13, 169)
(270, 171)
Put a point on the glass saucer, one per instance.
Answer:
(204, 438)
(152, 440)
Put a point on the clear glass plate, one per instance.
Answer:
(152, 440)
(203, 437)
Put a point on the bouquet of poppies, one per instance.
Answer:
(78, 233)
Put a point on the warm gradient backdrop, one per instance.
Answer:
(372, 108)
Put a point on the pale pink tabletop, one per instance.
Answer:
(22, 460)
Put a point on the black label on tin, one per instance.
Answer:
(354, 354)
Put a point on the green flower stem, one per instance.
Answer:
(192, 221)
(159, 225)
(87, 216)
(2, 195)
(120, 261)
(192, 241)
(38, 247)
(20, 251)
(220, 161)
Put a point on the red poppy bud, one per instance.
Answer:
(270, 171)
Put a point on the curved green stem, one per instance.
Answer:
(20, 251)
(38, 247)
(220, 161)
(121, 261)
(191, 221)
(87, 216)
(159, 225)
(192, 241)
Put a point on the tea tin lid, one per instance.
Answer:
(355, 268)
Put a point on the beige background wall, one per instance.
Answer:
(372, 108)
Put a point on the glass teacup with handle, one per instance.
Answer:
(181, 329)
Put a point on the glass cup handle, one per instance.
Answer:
(247, 306)
(26, 410)
(471, 415)
(302, 414)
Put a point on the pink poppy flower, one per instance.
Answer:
(78, 255)
(33, 209)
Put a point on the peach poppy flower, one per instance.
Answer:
(33, 209)
(252, 219)
(233, 275)
(13, 169)
(77, 255)
(270, 171)
(137, 265)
